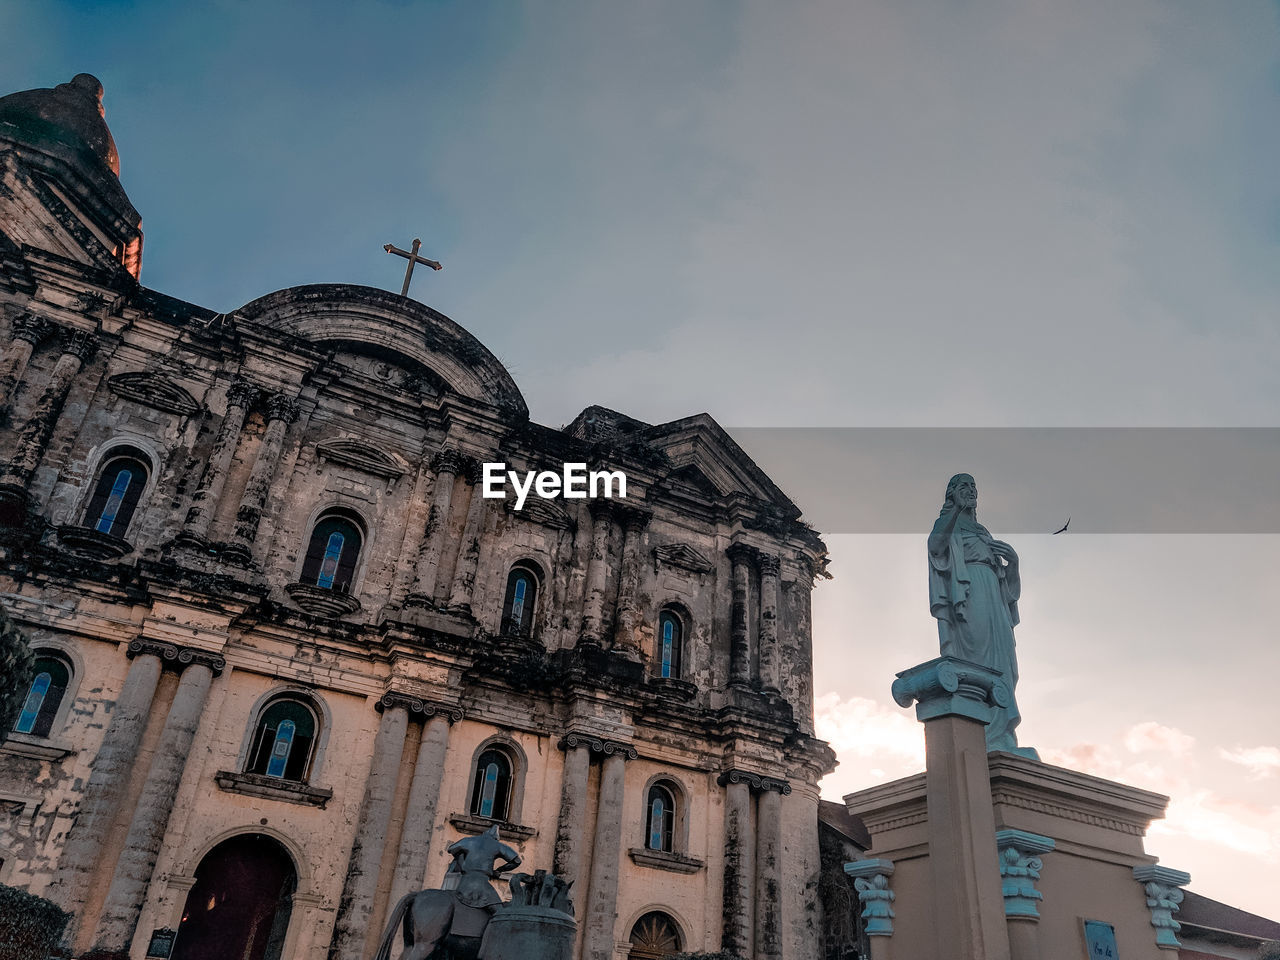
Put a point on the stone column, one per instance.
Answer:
(424, 794)
(195, 528)
(597, 572)
(956, 700)
(741, 557)
(355, 920)
(571, 827)
(446, 465)
(464, 574)
(769, 868)
(871, 881)
(414, 533)
(77, 347)
(770, 656)
(1160, 884)
(282, 410)
(133, 870)
(102, 795)
(739, 852)
(28, 331)
(606, 851)
(1020, 866)
(627, 616)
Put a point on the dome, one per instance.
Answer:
(65, 122)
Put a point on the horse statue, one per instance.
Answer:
(448, 924)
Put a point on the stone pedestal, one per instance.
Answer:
(954, 699)
(529, 933)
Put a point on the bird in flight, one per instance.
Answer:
(1064, 527)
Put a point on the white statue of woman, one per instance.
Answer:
(973, 591)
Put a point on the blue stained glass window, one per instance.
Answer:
(661, 817)
(491, 793)
(280, 749)
(670, 630)
(35, 700)
(114, 499)
(517, 600)
(490, 789)
(329, 564)
(519, 607)
(656, 816)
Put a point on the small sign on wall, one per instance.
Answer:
(1100, 940)
(161, 945)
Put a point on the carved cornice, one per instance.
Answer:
(598, 745)
(602, 508)
(282, 406)
(447, 460)
(31, 328)
(152, 389)
(633, 518)
(172, 655)
(419, 707)
(362, 456)
(1013, 799)
(742, 553)
(79, 343)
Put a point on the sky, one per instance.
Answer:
(890, 214)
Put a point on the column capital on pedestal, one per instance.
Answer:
(950, 687)
(633, 518)
(282, 406)
(871, 881)
(171, 655)
(757, 782)
(598, 745)
(602, 508)
(447, 460)
(419, 707)
(742, 553)
(79, 343)
(242, 393)
(769, 563)
(1164, 898)
(1020, 866)
(31, 328)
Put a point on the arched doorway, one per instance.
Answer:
(655, 936)
(239, 906)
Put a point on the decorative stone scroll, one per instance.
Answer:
(419, 706)
(598, 745)
(949, 686)
(1020, 865)
(364, 457)
(871, 881)
(759, 783)
(153, 389)
(174, 656)
(1161, 884)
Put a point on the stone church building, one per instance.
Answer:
(287, 653)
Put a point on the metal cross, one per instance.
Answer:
(412, 256)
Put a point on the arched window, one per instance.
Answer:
(491, 789)
(283, 741)
(119, 488)
(521, 601)
(670, 643)
(654, 936)
(660, 819)
(332, 553)
(44, 696)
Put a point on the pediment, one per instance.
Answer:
(681, 555)
(152, 389)
(538, 510)
(362, 456)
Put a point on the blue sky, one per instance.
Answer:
(846, 214)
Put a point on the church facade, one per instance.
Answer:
(287, 652)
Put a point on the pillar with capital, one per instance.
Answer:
(282, 410)
(33, 438)
(871, 880)
(133, 870)
(446, 464)
(195, 528)
(28, 331)
(597, 571)
(606, 852)
(626, 619)
(769, 867)
(1020, 865)
(770, 656)
(464, 575)
(742, 558)
(739, 862)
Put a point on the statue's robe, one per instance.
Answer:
(975, 599)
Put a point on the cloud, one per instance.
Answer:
(1152, 736)
(1262, 762)
(875, 743)
(1210, 818)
